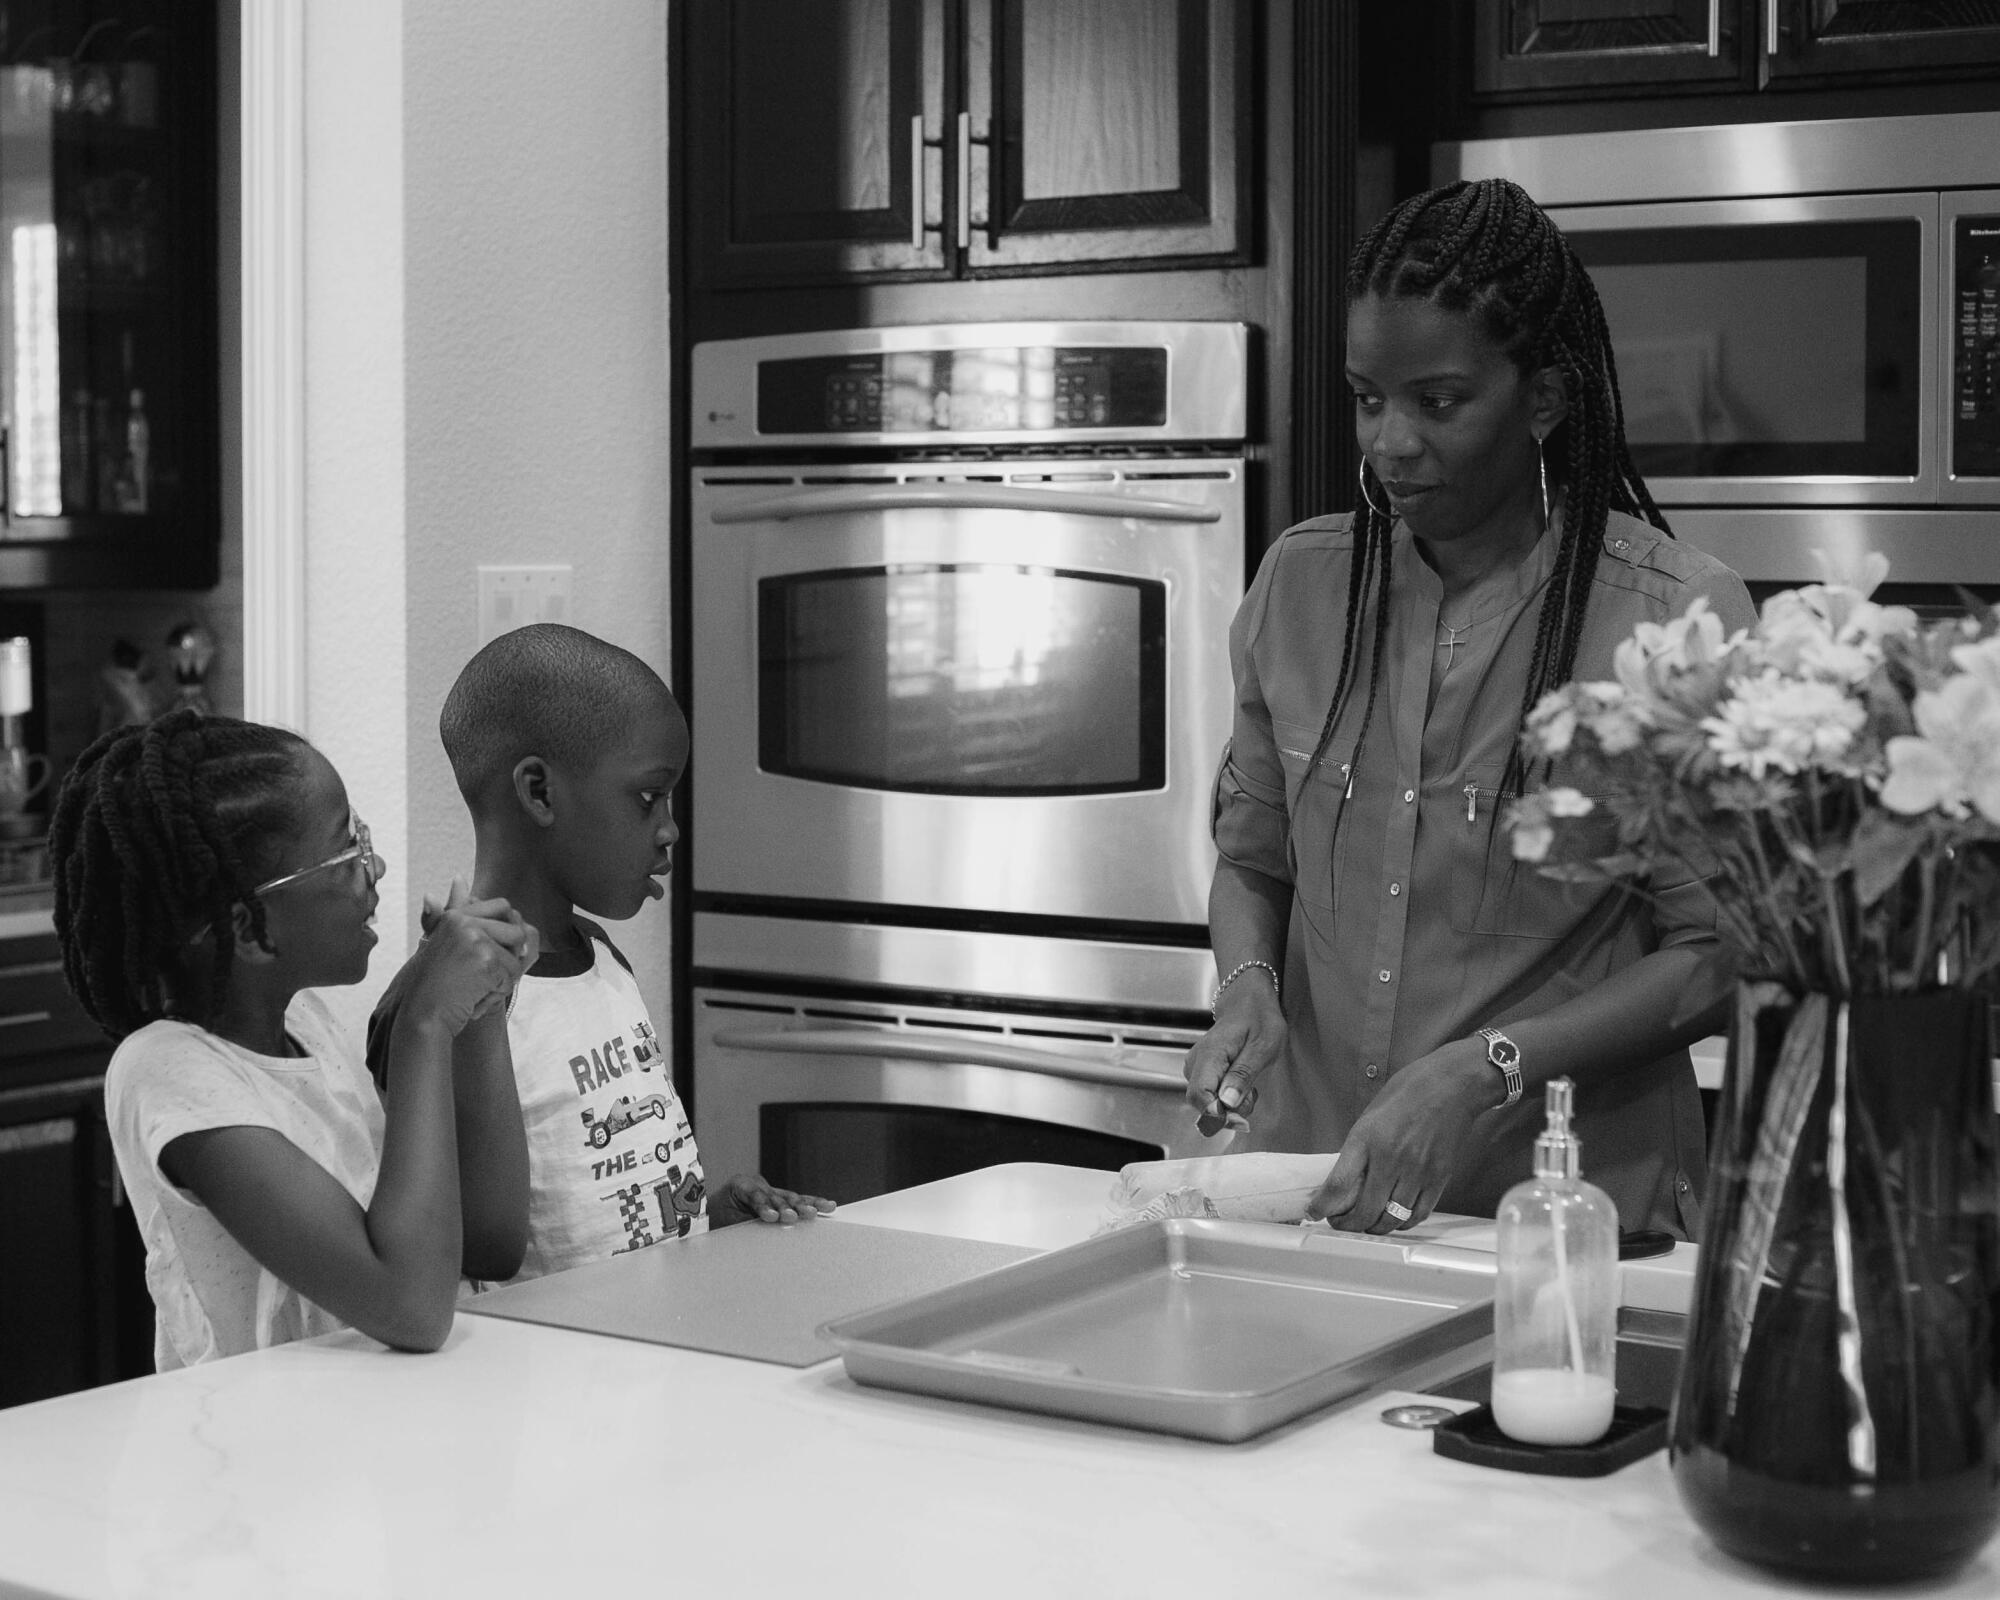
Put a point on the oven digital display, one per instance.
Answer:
(1975, 418)
(1022, 389)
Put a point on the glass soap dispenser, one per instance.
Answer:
(1555, 1312)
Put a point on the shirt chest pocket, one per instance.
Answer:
(1493, 893)
(1315, 795)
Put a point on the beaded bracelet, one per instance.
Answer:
(1241, 968)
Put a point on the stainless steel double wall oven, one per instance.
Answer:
(961, 598)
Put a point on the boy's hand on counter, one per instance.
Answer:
(748, 1195)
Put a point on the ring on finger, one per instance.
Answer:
(1400, 1212)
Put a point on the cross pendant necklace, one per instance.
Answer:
(1451, 644)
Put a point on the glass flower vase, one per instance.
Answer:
(1838, 1413)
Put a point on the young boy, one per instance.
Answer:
(566, 750)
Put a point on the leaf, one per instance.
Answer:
(1881, 851)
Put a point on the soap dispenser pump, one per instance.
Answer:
(1555, 1311)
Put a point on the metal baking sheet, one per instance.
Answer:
(753, 1290)
(1217, 1330)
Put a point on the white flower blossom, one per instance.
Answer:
(1774, 722)
(1658, 650)
(1564, 801)
(1955, 758)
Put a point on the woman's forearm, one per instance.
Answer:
(1660, 1003)
(1248, 915)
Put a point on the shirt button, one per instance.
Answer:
(1409, 794)
(1373, 1070)
(1395, 888)
(1383, 975)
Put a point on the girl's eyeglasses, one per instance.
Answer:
(362, 850)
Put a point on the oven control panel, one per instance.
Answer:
(1011, 385)
(1975, 411)
(1031, 389)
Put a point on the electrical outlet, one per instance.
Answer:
(512, 597)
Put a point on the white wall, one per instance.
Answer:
(487, 362)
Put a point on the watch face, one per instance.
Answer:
(1503, 1053)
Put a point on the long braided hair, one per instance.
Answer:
(1486, 250)
(159, 833)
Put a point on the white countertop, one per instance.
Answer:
(529, 1460)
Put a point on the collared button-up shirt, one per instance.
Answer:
(1425, 929)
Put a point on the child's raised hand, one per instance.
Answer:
(473, 953)
(748, 1195)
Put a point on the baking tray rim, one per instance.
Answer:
(1459, 1328)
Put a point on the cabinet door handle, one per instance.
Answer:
(25, 1019)
(1771, 26)
(964, 180)
(917, 180)
(1714, 28)
(6, 479)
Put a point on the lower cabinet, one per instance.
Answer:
(74, 1311)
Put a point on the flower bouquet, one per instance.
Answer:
(1834, 776)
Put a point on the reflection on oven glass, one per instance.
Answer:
(964, 679)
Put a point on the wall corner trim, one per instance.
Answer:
(272, 153)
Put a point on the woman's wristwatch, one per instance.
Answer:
(1505, 1055)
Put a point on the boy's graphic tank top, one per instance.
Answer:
(612, 1164)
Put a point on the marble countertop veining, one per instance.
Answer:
(530, 1460)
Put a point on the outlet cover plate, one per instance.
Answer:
(511, 597)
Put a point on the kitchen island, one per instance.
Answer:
(537, 1461)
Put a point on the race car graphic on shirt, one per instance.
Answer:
(678, 1197)
(620, 1115)
(645, 1044)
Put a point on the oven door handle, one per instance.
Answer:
(959, 497)
(946, 1052)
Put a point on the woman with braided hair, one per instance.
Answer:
(210, 875)
(1395, 986)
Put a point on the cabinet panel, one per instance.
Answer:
(109, 431)
(1526, 45)
(815, 140)
(1846, 39)
(1114, 131)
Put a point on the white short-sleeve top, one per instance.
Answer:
(170, 1078)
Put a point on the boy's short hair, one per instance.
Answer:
(542, 690)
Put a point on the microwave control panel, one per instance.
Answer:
(1975, 420)
(1031, 388)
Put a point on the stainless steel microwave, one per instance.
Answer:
(1806, 320)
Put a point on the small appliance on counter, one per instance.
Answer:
(23, 774)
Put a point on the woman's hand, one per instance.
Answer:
(1223, 1064)
(1406, 1147)
(748, 1195)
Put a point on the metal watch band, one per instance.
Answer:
(1505, 1055)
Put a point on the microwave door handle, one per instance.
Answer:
(945, 1052)
(958, 497)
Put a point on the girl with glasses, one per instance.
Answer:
(210, 876)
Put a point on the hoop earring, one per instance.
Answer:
(1362, 475)
(1542, 465)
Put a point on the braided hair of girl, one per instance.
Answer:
(156, 838)
(1486, 250)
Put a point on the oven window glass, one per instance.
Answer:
(973, 679)
(850, 1152)
(1769, 350)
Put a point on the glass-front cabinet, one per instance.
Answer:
(109, 446)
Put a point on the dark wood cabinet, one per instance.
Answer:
(72, 1268)
(1539, 49)
(1569, 44)
(110, 448)
(1850, 39)
(869, 140)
